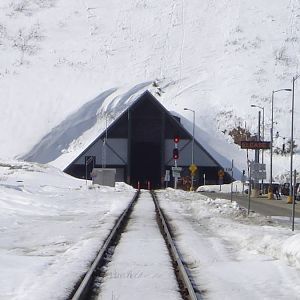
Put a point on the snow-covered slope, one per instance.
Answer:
(65, 65)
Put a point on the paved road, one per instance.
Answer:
(262, 205)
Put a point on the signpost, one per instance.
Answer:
(167, 177)
(243, 180)
(176, 174)
(175, 157)
(255, 145)
(221, 176)
(231, 170)
(193, 168)
(88, 160)
(258, 171)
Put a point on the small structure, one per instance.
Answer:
(105, 177)
(139, 146)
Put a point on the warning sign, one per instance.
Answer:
(193, 168)
(221, 173)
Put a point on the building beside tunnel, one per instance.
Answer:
(139, 145)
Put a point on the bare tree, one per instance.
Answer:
(20, 7)
(26, 41)
(27, 7)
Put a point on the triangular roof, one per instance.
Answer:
(120, 125)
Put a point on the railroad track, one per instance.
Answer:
(96, 280)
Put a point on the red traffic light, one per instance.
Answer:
(175, 153)
(176, 139)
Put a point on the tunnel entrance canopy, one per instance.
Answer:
(140, 146)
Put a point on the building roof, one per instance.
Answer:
(119, 127)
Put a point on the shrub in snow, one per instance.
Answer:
(26, 41)
(27, 7)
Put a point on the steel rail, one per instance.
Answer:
(176, 256)
(83, 289)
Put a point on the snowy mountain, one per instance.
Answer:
(66, 66)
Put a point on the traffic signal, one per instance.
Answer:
(176, 139)
(175, 153)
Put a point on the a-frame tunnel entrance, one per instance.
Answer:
(139, 146)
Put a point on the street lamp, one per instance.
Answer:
(263, 134)
(292, 142)
(104, 145)
(193, 142)
(263, 120)
(271, 156)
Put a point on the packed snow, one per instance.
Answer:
(141, 267)
(236, 186)
(232, 255)
(51, 227)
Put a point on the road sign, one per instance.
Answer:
(167, 175)
(258, 171)
(193, 168)
(259, 175)
(257, 166)
(176, 172)
(255, 145)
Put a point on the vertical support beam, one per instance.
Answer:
(129, 142)
(162, 141)
(290, 197)
(294, 201)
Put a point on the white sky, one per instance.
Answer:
(51, 225)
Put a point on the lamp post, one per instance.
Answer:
(291, 193)
(193, 142)
(270, 194)
(263, 135)
(104, 145)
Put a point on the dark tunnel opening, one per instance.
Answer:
(146, 164)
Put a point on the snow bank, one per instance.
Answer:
(230, 253)
(51, 227)
(252, 233)
(237, 186)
